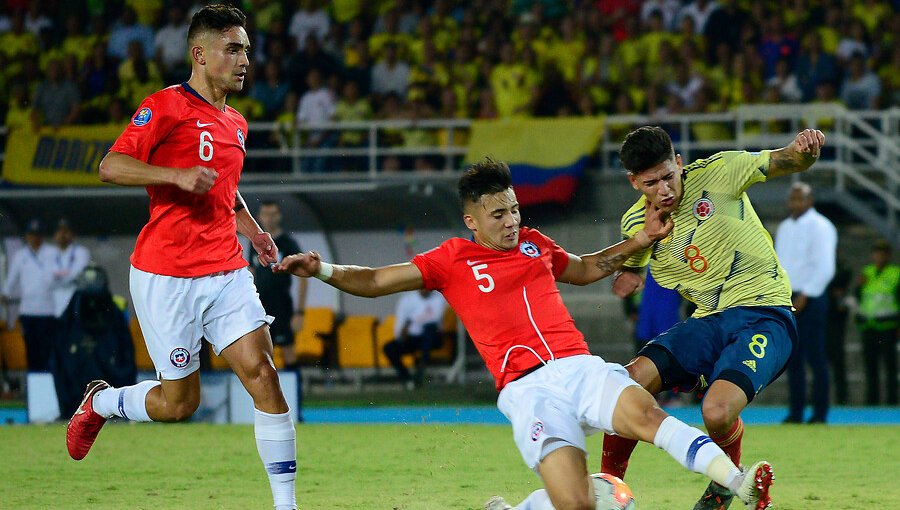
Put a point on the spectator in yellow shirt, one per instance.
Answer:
(567, 51)
(352, 107)
(75, 42)
(18, 44)
(509, 83)
(138, 77)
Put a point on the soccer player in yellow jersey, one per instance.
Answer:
(721, 258)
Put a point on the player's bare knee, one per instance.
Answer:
(646, 423)
(717, 415)
(643, 372)
(264, 377)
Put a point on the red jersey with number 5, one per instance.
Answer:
(508, 300)
(188, 235)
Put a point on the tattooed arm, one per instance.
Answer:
(589, 268)
(798, 156)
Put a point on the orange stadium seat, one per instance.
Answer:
(318, 326)
(12, 348)
(443, 354)
(356, 342)
(141, 356)
(384, 333)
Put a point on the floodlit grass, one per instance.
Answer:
(415, 467)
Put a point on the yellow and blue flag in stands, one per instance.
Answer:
(546, 156)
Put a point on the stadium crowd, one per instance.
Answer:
(91, 62)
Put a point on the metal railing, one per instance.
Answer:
(358, 150)
(860, 166)
(862, 154)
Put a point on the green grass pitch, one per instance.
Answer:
(416, 467)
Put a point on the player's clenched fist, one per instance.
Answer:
(197, 179)
(627, 283)
(809, 143)
(299, 264)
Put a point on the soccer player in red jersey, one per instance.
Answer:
(188, 278)
(502, 285)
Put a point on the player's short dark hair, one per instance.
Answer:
(485, 177)
(215, 18)
(646, 147)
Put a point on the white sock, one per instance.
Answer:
(695, 450)
(129, 402)
(276, 441)
(537, 500)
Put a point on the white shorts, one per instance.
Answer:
(176, 313)
(568, 399)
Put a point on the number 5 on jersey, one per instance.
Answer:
(206, 147)
(483, 287)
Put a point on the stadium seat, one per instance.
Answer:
(318, 327)
(384, 333)
(12, 348)
(356, 342)
(141, 357)
(443, 354)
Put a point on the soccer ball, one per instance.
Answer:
(612, 493)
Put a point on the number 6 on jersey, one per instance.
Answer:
(206, 147)
(483, 276)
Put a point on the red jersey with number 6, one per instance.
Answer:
(508, 300)
(188, 235)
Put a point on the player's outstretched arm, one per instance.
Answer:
(356, 280)
(124, 170)
(589, 268)
(798, 156)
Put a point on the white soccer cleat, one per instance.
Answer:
(497, 503)
(754, 489)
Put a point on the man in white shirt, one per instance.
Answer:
(310, 18)
(806, 244)
(416, 329)
(71, 259)
(390, 74)
(317, 105)
(29, 281)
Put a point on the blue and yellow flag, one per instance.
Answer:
(546, 156)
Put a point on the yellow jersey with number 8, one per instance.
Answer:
(718, 255)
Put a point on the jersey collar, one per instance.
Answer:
(190, 90)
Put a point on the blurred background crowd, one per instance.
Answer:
(91, 62)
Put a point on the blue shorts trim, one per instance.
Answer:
(748, 346)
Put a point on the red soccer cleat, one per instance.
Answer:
(85, 424)
(754, 489)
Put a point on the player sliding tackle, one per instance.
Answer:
(720, 257)
(553, 391)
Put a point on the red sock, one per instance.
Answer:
(730, 442)
(616, 452)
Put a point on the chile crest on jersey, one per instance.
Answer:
(529, 249)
